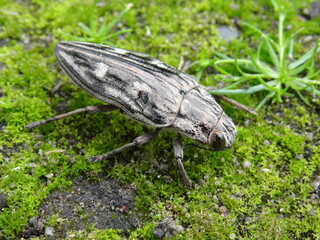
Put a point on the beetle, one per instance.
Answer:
(148, 91)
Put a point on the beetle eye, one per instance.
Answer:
(218, 141)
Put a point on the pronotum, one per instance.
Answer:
(147, 90)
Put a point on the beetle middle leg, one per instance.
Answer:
(88, 109)
(178, 152)
(143, 139)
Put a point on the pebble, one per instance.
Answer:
(266, 143)
(49, 231)
(49, 175)
(248, 220)
(232, 236)
(246, 164)
(223, 210)
(227, 33)
(314, 196)
(167, 228)
(309, 135)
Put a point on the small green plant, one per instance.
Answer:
(100, 32)
(6, 102)
(271, 68)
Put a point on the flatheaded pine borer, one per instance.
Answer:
(150, 92)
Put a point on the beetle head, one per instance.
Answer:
(223, 134)
(201, 118)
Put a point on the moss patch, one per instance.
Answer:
(265, 187)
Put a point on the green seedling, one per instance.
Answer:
(271, 68)
(6, 101)
(100, 32)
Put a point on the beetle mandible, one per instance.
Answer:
(147, 90)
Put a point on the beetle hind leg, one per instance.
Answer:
(143, 139)
(88, 109)
(178, 152)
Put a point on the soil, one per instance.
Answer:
(103, 203)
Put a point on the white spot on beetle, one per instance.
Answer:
(158, 63)
(120, 51)
(101, 70)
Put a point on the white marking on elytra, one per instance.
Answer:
(158, 63)
(120, 51)
(101, 69)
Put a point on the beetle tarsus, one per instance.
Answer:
(178, 152)
(143, 139)
(88, 109)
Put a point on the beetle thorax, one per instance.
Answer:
(201, 118)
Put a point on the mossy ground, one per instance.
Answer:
(277, 197)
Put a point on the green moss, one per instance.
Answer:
(273, 199)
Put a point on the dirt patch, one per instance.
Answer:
(103, 203)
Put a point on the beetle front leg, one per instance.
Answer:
(88, 109)
(178, 153)
(143, 139)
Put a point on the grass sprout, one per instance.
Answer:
(6, 101)
(271, 68)
(100, 31)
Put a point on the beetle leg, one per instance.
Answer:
(178, 152)
(88, 109)
(145, 138)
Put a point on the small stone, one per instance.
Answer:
(247, 122)
(3, 201)
(32, 165)
(202, 182)
(308, 38)
(309, 135)
(101, 4)
(248, 220)
(314, 196)
(306, 11)
(265, 170)
(246, 164)
(238, 195)
(266, 143)
(227, 33)
(288, 27)
(315, 9)
(38, 136)
(270, 166)
(223, 210)
(167, 179)
(312, 213)
(49, 175)
(36, 224)
(234, 6)
(167, 228)
(206, 177)
(232, 236)
(49, 231)
(158, 233)
(280, 216)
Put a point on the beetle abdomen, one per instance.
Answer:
(143, 87)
